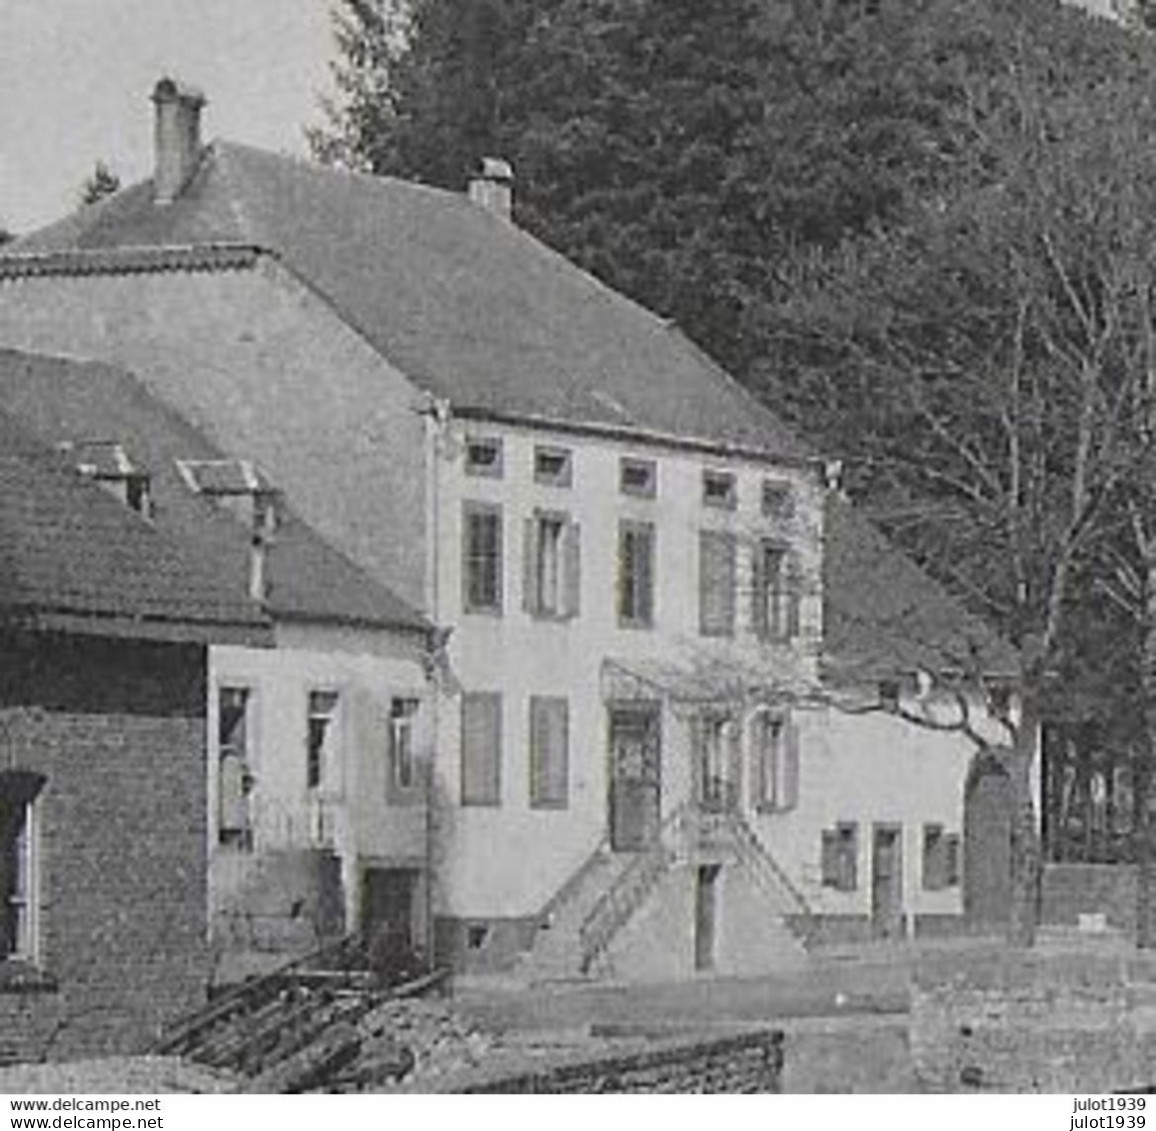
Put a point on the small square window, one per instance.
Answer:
(778, 498)
(999, 700)
(889, 694)
(638, 477)
(477, 935)
(484, 456)
(552, 466)
(719, 489)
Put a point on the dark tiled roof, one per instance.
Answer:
(61, 400)
(883, 615)
(465, 304)
(69, 549)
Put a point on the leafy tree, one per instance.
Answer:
(101, 182)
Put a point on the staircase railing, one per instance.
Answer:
(771, 876)
(573, 883)
(631, 888)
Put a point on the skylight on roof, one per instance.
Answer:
(223, 477)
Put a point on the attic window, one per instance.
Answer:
(719, 489)
(106, 462)
(778, 499)
(223, 477)
(638, 477)
(484, 456)
(999, 700)
(552, 466)
(889, 694)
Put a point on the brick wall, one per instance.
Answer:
(752, 1062)
(117, 730)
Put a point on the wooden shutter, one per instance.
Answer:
(644, 563)
(759, 592)
(572, 569)
(716, 583)
(481, 748)
(790, 754)
(530, 566)
(951, 862)
(794, 595)
(698, 755)
(831, 858)
(549, 752)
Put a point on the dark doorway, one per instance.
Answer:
(705, 915)
(987, 814)
(635, 776)
(387, 913)
(887, 882)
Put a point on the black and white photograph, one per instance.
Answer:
(577, 546)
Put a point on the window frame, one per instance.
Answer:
(474, 510)
(729, 500)
(403, 722)
(243, 842)
(776, 764)
(21, 898)
(627, 465)
(840, 856)
(630, 529)
(564, 476)
(493, 470)
(777, 498)
(785, 602)
(328, 754)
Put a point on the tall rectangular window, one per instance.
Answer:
(234, 770)
(549, 752)
(482, 558)
(775, 756)
(840, 863)
(776, 590)
(551, 583)
(18, 791)
(322, 749)
(402, 757)
(481, 748)
(940, 858)
(636, 574)
(716, 582)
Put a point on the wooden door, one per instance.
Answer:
(887, 882)
(705, 916)
(635, 776)
(387, 910)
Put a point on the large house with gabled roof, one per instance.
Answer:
(644, 585)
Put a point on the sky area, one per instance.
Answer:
(75, 79)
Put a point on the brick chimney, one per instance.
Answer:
(176, 138)
(492, 188)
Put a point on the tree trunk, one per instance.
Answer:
(1142, 822)
(1025, 834)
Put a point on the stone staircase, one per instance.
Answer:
(580, 924)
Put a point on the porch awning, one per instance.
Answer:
(730, 683)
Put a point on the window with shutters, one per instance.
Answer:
(635, 574)
(481, 748)
(716, 582)
(940, 858)
(551, 584)
(323, 742)
(549, 752)
(482, 558)
(18, 864)
(402, 743)
(776, 585)
(234, 770)
(840, 863)
(775, 757)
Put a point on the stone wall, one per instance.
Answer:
(1028, 1022)
(117, 730)
(750, 1062)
